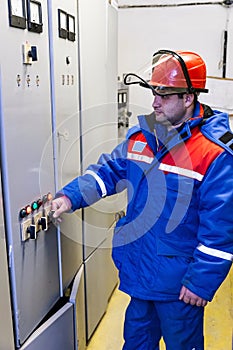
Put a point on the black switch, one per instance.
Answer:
(43, 223)
(32, 231)
(33, 53)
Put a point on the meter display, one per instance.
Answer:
(17, 17)
(71, 27)
(34, 11)
(62, 24)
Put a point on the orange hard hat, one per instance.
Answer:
(180, 71)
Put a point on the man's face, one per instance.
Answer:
(170, 109)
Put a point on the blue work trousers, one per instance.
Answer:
(180, 325)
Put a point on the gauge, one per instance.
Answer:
(71, 27)
(34, 11)
(17, 17)
(17, 8)
(62, 24)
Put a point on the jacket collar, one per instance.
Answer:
(157, 135)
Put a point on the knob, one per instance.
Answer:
(43, 222)
(33, 53)
(31, 230)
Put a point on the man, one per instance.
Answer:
(174, 247)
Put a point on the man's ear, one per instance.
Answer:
(188, 99)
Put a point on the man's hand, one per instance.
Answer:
(59, 206)
(190, 298)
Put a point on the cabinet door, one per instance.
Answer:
(66, 116)
(55, 334)
(78, 300)
(6, 327)
(27, 166)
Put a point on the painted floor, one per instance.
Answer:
(218, 321)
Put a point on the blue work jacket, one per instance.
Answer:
(178, 227)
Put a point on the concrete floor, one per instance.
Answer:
(218, 321)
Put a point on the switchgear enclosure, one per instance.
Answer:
(65, 95)
(98, 64)
(6, 327)
(27, 165)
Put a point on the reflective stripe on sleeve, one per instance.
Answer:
(181, 171)
(215, 252)
(99, 181)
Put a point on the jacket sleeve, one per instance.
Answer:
(214, 254)
(99, 180)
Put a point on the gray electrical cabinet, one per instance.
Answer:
(65, 328)
(56, 333)
(77, 298)
(98, 67)
(6, 327)
(65, 97)
(27, 163)
(58, 112)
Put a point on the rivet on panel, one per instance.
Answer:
(28, 79)
(37, 80)
(18, 79)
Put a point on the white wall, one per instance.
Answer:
(198, 28)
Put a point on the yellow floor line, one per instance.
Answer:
(219, 318)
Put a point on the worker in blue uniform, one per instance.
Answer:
(174, 246)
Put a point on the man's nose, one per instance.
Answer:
(157, 101)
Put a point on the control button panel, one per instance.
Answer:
(34, 217)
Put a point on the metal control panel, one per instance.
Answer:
(35, 217)
(98, 55)
(41, 109)
(6, 327)
(65, 93)
(28, 162)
